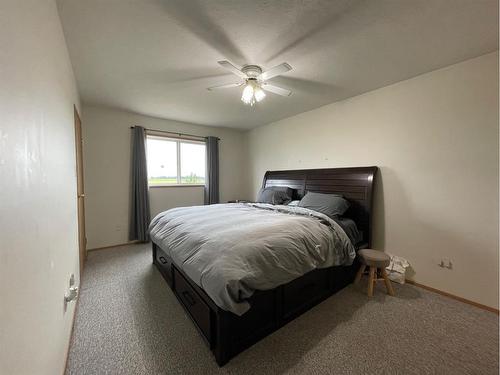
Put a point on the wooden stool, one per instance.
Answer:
(375, 260)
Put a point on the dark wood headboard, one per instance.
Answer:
(355, 184)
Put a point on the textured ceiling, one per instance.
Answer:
(156, 57)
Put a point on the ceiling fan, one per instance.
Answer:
(254, 80)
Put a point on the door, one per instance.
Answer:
(82, 239)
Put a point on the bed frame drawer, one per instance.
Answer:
(194, 304)
(300, 293)
(164, 263)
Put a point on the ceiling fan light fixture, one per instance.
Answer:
(248, 94)
(254, 82)
(252, 93)
(259, 94)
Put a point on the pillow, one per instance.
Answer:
(269, 195)
(294, 203)
(350, 228)
(286, 189)
(329, 204)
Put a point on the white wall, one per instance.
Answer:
(106, 134)
(38, 212)
(435, 138)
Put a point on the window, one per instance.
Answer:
(175, 161)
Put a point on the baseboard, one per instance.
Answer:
(73, 318)
(111, 246)
(446, 294)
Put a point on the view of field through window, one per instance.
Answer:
(172, 162)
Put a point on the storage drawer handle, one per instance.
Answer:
(189, 298)
(163, 260)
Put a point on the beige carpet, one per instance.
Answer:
(129, 322)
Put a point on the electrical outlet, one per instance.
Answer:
(72, 292)
(446, 263)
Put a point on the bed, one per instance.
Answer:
(228, 331)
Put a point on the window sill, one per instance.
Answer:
(176, 185)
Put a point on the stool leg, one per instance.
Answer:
(371, 281)
(387, 283)
(360, 273)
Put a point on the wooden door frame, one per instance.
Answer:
(80, 189)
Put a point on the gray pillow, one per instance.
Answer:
(329, 204)
(286, 189)
(272, 196)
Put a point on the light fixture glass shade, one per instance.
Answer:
(248, 93)
(259, 94)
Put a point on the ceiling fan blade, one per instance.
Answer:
(273, 72)
(232, 69)
(227, 86)
(276, 90)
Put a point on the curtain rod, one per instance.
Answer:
(176, 133)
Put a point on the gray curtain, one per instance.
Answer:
(212, 180)
(139, 205)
